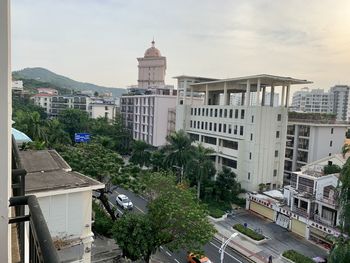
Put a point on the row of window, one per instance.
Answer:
(217, 127)
(221, 113)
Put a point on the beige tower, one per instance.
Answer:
(151, 69)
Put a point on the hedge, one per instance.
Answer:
(248, 232)
(297, 257)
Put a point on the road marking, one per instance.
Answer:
(176, 260)
(168, 253)
(161, 247)
(119, 211)
(139, 209)
(226, 252)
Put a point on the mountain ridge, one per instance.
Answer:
(47, 76)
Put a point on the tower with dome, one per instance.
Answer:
(152, 69)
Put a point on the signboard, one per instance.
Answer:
(82, 137)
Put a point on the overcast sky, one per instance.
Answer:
(98, 41)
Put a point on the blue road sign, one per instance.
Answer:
(82, 137)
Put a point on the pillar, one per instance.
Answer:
(263, 96)
(185, 92)
(272, 95)
(5, 130)
(258, 92)
(283, 95)
(287, 95)
(206, 95)
(178, 95)
(225, 93)
(243, 99)
(191, 101)
(247, 99)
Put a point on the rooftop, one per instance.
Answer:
(47, 171)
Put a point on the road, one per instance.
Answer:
(211, 249)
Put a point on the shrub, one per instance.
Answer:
(103, 223)
(217, 209)
(248, 232)
(297, 257)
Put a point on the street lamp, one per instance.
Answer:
(224, 245)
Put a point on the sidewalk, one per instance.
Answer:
(281, 239)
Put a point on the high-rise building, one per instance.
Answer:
(341, 105)
(152, 68)
(315, 100)
(249, 139)
(311, 137)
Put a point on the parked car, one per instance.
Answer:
(193, 258)
(124, 202)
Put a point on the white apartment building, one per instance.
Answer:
(309, 140)
(17, 85)
(341, 105)
(48, 91)
(249, 139)
(151, 68)
(308, 206)
(315, 100)
(103, 109)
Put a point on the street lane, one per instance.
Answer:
(211, 249)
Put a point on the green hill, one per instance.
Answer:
(48, 77)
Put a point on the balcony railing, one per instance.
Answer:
(41, 247)
(327, 200)
(323, 221)
(300, 211)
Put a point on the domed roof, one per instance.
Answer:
(152, 51)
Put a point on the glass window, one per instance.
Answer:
(251, 136)
(277, 134)
(279, 117)
(231, 113)
(242, 114)
(276, 153)
(236, 114)
(252, 118)
(241, 130)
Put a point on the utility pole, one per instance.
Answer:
(224, 245)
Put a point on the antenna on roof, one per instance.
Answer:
(153, 42)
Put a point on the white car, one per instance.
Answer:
(124, 202)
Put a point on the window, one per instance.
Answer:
(279, 117)
(194, 124)
(252, 118)
(277, 134)
(225, 113)
(242, 114)
(235, 130)
(274, 186)
(224, 128)
(229, 128)
(236, 114)
(206, 125)
(215, 127)
(274, 173)
(229, 162)
(231, 113)
(203, 111)
(276, 153)
(220, 113)
(195, 111)
(248, 176)
(210, 126)
(202, 125)
(251, 136)
(206, 112)
(190, 124)
(208, 139)
(216, 113)
(331, 143)
(241, 130)
(332, 130)
(191, 111)
(230, 144)
(219, 127)
(250, 156)
(211, 112)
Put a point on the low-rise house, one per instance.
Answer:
(309, 206)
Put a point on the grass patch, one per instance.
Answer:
(217, 209)
(297, 257)
(248, 232)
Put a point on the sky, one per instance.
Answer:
(98, 41)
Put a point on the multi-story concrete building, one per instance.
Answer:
(341, 104)
(104, 109)
(17, 85)
(236, 99)
(152, 69)
(315, 100)
(309, 206)
(248, 139)
(311, 137)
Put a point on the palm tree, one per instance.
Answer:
(179, 151)
(140, 153)
(56, 134)
(201, 166)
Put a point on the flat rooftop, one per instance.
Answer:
(47, 171)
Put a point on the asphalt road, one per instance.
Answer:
(211, 249)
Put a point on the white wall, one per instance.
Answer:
(100, 110)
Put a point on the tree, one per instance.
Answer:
(140, 153)
(227, 188)
(340, 253)
(331, 169)
(31, 124)
(157, 160)
(200, 166)
(95, 161)
(179, 151)
(345, 149)
(74, 121)
(55, 133)
(134, 235)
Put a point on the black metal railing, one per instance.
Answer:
(41, 247)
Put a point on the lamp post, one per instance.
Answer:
(224, 245)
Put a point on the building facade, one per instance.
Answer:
(151, 69)
(249, 139)
(309, 140)
(341, 104)
(308, 206)
(315, 100)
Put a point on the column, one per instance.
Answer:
(263, 96)
(247, 99)
(185, 92)
(191, 101)
(206, 95)
(287, 95)
(272, 95)
(283, 95)
(5, 130)
(258, 92)
(178, 95)
(225, 93)
(243, 99)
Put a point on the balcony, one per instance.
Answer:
(323, 221)
(300, 211)
(327, 200)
